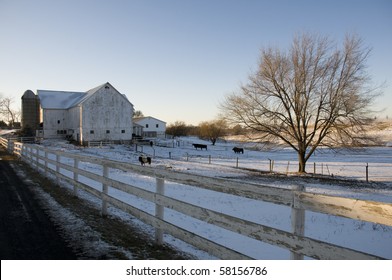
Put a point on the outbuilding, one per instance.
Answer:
(99, 114)
(152, 127)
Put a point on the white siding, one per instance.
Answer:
(107, 115)
(152, 127)
(74, 123)
(55, 123)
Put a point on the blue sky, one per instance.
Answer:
(175, 60)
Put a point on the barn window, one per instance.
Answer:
(123, 131)
(58, 121)
(146, 125)
(107, 131)
(91, 131)
(157, 125)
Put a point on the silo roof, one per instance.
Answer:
(28, 94)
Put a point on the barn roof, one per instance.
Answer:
(51, 99)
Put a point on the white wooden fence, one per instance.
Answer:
(51, 161)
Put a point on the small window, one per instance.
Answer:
(123, 131)
(146, 125)
(91, 131)
(58, 121)
(107, 131)
(157, 125)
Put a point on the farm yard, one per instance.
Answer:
(350, 164)
(338, 174)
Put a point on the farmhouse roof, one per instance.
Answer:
(148, 117)
(51, 99)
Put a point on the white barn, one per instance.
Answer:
(100, 114)
(152, 127)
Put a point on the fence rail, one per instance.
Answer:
(99, 143)
(52, 161)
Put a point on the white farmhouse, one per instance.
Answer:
(100, 114)
(152, 127)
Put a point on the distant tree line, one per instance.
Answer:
(207, 130)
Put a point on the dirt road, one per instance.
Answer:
(26, 231)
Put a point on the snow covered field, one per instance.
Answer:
(180, 155)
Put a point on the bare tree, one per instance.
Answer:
(12, 116)
(178, 128)
(138, 114)
(212, 130)
(314, 94)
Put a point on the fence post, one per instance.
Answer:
(367, 172)
(159, 210)
(209, 159)
(31, 151)
(37, 159)
(27, 155)
(297, 221)
(12, 146)
(271, 163)
(58, 169)
(46, 163)
(76, 176)
(23, 152)
(236, 163)
(105, 190)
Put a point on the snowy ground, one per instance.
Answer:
(180, 155)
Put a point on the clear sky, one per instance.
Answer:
(174, 59)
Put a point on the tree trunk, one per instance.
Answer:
(301, 162)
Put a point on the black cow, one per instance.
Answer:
(238, 150)
(144, 159)
(201, 146)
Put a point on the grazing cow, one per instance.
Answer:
(201, 146)
(238, 150)
(144, 159)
